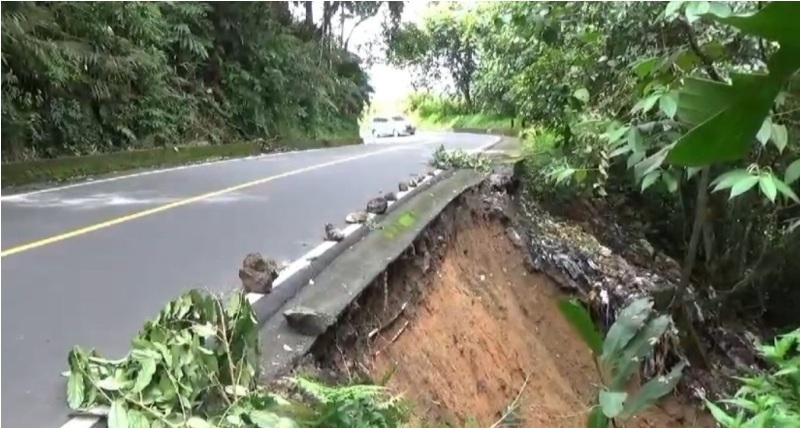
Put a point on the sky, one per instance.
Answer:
(391, 84)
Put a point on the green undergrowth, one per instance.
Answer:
(197, 365)
(466, 121)
(75, 167)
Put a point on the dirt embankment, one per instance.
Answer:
(465, 326)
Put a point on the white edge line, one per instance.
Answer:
(293, 268)
(90, 181)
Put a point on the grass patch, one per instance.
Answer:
(15, 174)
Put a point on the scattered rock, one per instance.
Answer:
(377, 205)
(332, 233)
(402, 186)
(414, 180)
(257, 273)
(356, 217)
(390, 196)
(307, 321)
(514, 237)
(430, 173)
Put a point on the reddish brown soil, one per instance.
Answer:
(482, 326)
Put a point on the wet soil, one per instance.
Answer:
(464, 328)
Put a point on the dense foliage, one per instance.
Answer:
(84, 77)
(197, 365)
(682, 117)
(646, 100)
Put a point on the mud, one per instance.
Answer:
(465, 327)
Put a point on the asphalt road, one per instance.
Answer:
(87, 265)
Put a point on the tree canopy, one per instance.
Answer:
(90, 77)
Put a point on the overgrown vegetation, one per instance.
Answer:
(197, 365)
(618, 358)
(97, 77)
(681, 116)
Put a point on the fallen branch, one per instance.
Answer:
(394, 338)
(382, 328)
(513, 406)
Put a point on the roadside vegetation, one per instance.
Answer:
(91, 78)
(681, 117)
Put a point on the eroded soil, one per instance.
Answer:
(465, 327)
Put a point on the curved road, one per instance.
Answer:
(88, 264)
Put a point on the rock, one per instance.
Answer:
(514, 237)
(257, 274)
(430, 173)
(307, 321)
(377, 205)
(332, 233)
(414, 180)
(402, 186)
(390, 196)
(356, 217)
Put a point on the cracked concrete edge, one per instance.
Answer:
(299, 274)
(269, 305)
(303, 270)
(349, 274)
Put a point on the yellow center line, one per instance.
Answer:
(179, 203)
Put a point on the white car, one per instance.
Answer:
(394, 126)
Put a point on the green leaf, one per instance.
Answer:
(730, 178)
(263, 419)
(779, 136)
(699, 99)
(564, 174)
(197, 422)
(650, 164)
(631, 318)
(670, 181)
(650, 179)
(776, 21)
(651, 391)
(673, 7)
(696, 8)
(118, 415)
(612, 402)
(720, 9)
(145, 376)
(646, 104)
(792, 172)
(743, 185)
(719, 414)
(582, 95)
(581, 321)
(596, 418)
(110, 383)
(137, 419)
(638, 348)
(635, 140)
(785, 190)
(668, 103)
(767, 186)
(75, 390)
(765, 132)
(728, 132)
(646, 66)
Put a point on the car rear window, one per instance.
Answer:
(379, 120)
(398, 118)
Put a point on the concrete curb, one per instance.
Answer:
(346, 277)
(269, 305)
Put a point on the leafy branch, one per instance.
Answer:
(196, 365)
